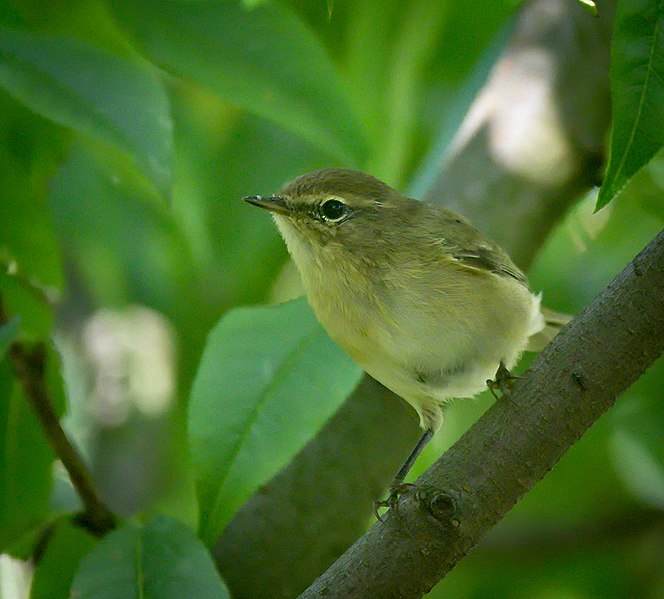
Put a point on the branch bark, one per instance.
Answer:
(297, 524)
(473, 485)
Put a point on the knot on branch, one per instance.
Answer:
(442, 505)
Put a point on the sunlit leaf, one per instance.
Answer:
(637, 92)
(162, 558)
(268, 380)
(264, 60)
(96, 93)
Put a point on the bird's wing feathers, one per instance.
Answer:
(491, 259)
(467, 246)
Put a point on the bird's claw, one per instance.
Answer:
(503, 382)
(392, 501)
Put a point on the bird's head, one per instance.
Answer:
(339, 212)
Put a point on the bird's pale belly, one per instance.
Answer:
(427, 387)
(428, 365)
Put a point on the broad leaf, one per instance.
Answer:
(110, 98)
(637, 92)
(29, 249)
(211, 175)
(268, 380)
(126, 247)
(162, 558)
(28, 238)
(264, 60)
(55, 571)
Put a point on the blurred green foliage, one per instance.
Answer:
(161, 558)
(129, 130)
(637, 93)
(265, 386)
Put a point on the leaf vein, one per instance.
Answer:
(275, 382)
(644, 90)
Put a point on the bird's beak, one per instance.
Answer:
(275, 204)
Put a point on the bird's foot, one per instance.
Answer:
(503, 382)
(392, 501)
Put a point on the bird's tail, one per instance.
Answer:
(553, 322)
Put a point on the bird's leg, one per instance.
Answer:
(503, 381)
(398, 486)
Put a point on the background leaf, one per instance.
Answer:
(30, 150)
(55, 571)
(108, 97)
(162, 558)
(637, 92)
(263, 60)
(25, 464)
(214, 146)
(268, 380)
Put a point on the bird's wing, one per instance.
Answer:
(466, 245)
(491, 258)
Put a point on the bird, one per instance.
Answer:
(423, 301)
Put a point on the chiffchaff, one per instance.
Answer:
(417, 296)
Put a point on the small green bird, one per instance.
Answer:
(415, 294)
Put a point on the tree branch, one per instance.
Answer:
(29, 365)
(473, 485)
(533, 139)
(295, 526)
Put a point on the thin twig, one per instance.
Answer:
(29, 364)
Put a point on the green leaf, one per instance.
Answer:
(55, 571)
(637, 92)
(30, 150)
(25, 464)
(110, 98)
(268, 380)
(25, 301)
(7, 334)
(212, 172)
(264, 60)
(646, 187)
(126, 247)
(162, 558)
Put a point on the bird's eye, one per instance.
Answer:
(333, 210)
